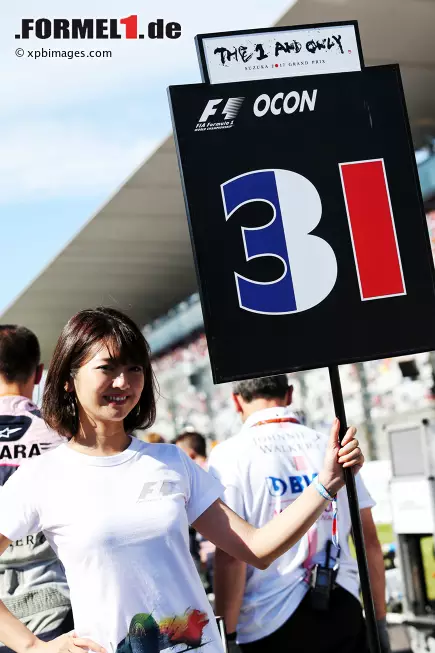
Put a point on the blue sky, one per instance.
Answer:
(72, 131)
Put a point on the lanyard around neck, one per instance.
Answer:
(277, 420)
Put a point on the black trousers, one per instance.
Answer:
(339, 630)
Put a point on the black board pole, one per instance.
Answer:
(358, 538)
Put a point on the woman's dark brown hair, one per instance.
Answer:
(105, 327)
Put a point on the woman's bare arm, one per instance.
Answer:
(12, 632)
(19, 638)
(259, 547)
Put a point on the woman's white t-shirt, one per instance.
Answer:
(119, 524)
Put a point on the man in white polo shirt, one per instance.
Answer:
(308, 599)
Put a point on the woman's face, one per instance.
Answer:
(107, 390)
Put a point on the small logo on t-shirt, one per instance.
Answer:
(7, 432)
(13, 427)
(157, 489)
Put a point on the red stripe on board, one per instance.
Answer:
(371, 223)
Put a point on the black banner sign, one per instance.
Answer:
(309, 234)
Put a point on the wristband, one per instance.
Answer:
(231, 637)
(321, 489)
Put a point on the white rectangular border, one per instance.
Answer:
(316, 63)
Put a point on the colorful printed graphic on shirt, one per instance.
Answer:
(179, 633)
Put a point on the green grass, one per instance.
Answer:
(429, 565)
(385, 533)
(386, 536)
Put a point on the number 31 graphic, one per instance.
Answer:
(309, 263)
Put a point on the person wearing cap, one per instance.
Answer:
(308, 599)
(32, 580)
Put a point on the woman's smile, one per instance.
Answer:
(116, 399)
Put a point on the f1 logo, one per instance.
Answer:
(210, 110)
(309, 263)
(230, 110)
